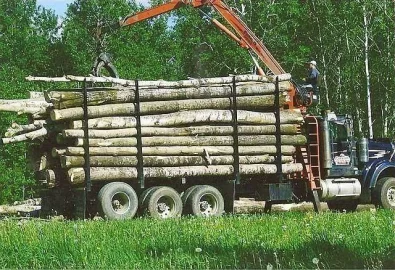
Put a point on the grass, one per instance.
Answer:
(277, 241)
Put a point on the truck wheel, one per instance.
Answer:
(184, 198)
(117, 200)
(205, 201)
(384, 193)
(343, 205)
(143, 197)
(163, 202)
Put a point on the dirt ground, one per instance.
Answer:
(32, 207)
(246, 205)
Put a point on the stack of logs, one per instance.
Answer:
(186, 128)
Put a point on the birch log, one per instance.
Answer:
(17, 129)
(196, 141)
(195, 117)
(77, 175)
(69, 99)
(174, 150)
(35, 107)
(158, 107)
(37, 134)
(166, 161)
(183, 83)
(286, 129)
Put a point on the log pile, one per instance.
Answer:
(186, 128)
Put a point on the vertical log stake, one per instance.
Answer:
(140, 168)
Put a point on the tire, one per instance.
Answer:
(117, 200)
(163, 202)
(343, 205)
(143, 197)
(184, 198)
(205, 201)
(384, 193)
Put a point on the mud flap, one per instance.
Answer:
(316, 201)
(228, 190)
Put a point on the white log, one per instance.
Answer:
(160, 107)
(174, 150)
(37, 134)
(166, 161)
(196, 140)
(18, 129)
(46, 79)
(25, 106)
(181, 131)
(77, 175)
(293, 116)
(69, 99)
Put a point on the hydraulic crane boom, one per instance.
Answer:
(242, 34)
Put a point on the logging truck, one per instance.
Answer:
(195, 146)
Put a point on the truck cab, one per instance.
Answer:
(353, 171)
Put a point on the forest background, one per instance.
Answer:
(352, 41)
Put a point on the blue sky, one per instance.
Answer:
(60, 6)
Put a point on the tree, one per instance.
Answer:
(27, 34)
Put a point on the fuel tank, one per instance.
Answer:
(340, 188)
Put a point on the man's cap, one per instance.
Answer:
(312, 62)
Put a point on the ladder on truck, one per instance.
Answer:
(309, 155)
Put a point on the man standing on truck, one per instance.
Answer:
(312, 76)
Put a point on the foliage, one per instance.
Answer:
(27, 36)
(279, 241)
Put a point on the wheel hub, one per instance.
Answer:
(164, 210)
(116, 204)
(207, 205)
(204, 205)
(120, 203)
(391, 195)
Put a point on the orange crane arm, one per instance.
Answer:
(243, 35)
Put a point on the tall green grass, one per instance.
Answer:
(277, 241)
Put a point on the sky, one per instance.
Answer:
(60, 6)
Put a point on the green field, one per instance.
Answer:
(277, 241)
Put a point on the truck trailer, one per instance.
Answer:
(230, 137)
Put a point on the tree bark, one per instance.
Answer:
(40, 133)
(174, 150)
(286, 129)
(77, 175)
(183, 83)
(158, 107)
(197, 141)
(35, 107)
(161, 83)
(17, 129)
(166, 161)
(69, 99)
(196, 117)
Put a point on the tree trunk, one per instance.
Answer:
(69, 99)
(367, 71)
(159, 107)
(193, 117)
(17, 129)
(27, 136)
(196, 141)
(35, 107)
(166, 161)
(182, 131)
(77, 175)
(174, 150)
(179, 84)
